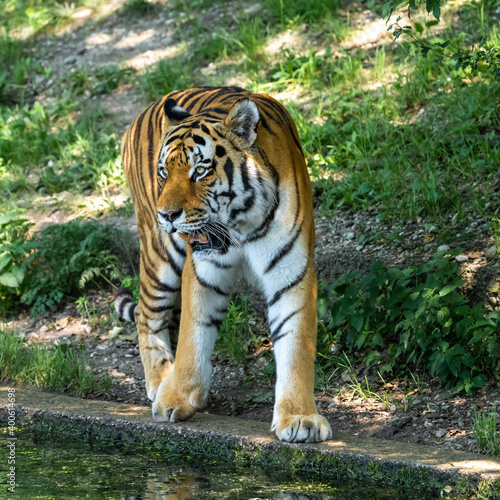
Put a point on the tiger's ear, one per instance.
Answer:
(243, 119)
(173, 112)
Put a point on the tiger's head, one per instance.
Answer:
(210, 187)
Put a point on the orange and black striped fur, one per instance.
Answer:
(221, 190)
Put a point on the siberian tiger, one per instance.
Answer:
(221, 190)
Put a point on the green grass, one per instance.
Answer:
(235, 334)
(61, 368)
(485, 432)
(44, 151)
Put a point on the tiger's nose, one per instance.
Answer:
(170, 215)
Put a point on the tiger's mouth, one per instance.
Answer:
(205, 241)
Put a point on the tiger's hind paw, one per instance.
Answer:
(303, 428)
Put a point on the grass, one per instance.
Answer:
(61, 368)
(235, 333)
(485, 432)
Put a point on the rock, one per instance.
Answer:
(43, 329)
(350, 235)
(440, 433)
(393, 409)
(461, 422)
(461, 258)
(443, 248)
(88, 329)
(69, 60)
(491, 253)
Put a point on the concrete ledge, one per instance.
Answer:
(375, 461)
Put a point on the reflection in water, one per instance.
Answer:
(48, 471)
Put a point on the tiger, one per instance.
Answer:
(221, 192)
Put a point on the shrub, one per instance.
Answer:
(16, 253)
(416, 317)
(57, 262)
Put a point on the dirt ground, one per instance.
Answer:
(425, 414)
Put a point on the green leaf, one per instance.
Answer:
(419, 28)
(4, 260)
(425, 50)
(444, 44)
(479, 381)
(447, 289)
(8, 279)
(8, 217)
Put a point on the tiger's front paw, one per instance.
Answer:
(175, 404)
(303, 428)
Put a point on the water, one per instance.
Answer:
(64, 471)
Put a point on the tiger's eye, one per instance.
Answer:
(200, 170)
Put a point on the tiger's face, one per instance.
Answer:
(209, 184)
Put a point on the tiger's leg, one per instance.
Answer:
(293, 324)
(157, 314)
(206, 290)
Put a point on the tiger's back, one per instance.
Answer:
(219, 183)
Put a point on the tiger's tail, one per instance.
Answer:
(124, 305)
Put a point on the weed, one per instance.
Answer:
(354, 386)
(133, 284)
(138, 7)
(83, 307)
(165, 77)
(60, 368)
(56, 262)
(416, 316)
(235, 334)
(68, 157)
(297, 11)
(485, 432)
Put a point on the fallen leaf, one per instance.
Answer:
(114, 332)
(62, 323)
(131, 336)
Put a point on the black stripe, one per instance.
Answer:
(177, 270)
(229, 170)
(280, 293)
(199, 140)
(123, 303)
(157, 284)
(276, 332)
(204, 284)
(178, 249)
(244, 174)
(130, 314)
(263, 229)
(247, 205)
(284, 250)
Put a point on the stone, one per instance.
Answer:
(461, 422)
(440, 433)
(461, 258)
(44, 329)
(491, 253)
(443, 248)
(69, 60)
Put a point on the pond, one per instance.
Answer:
(48, 470)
